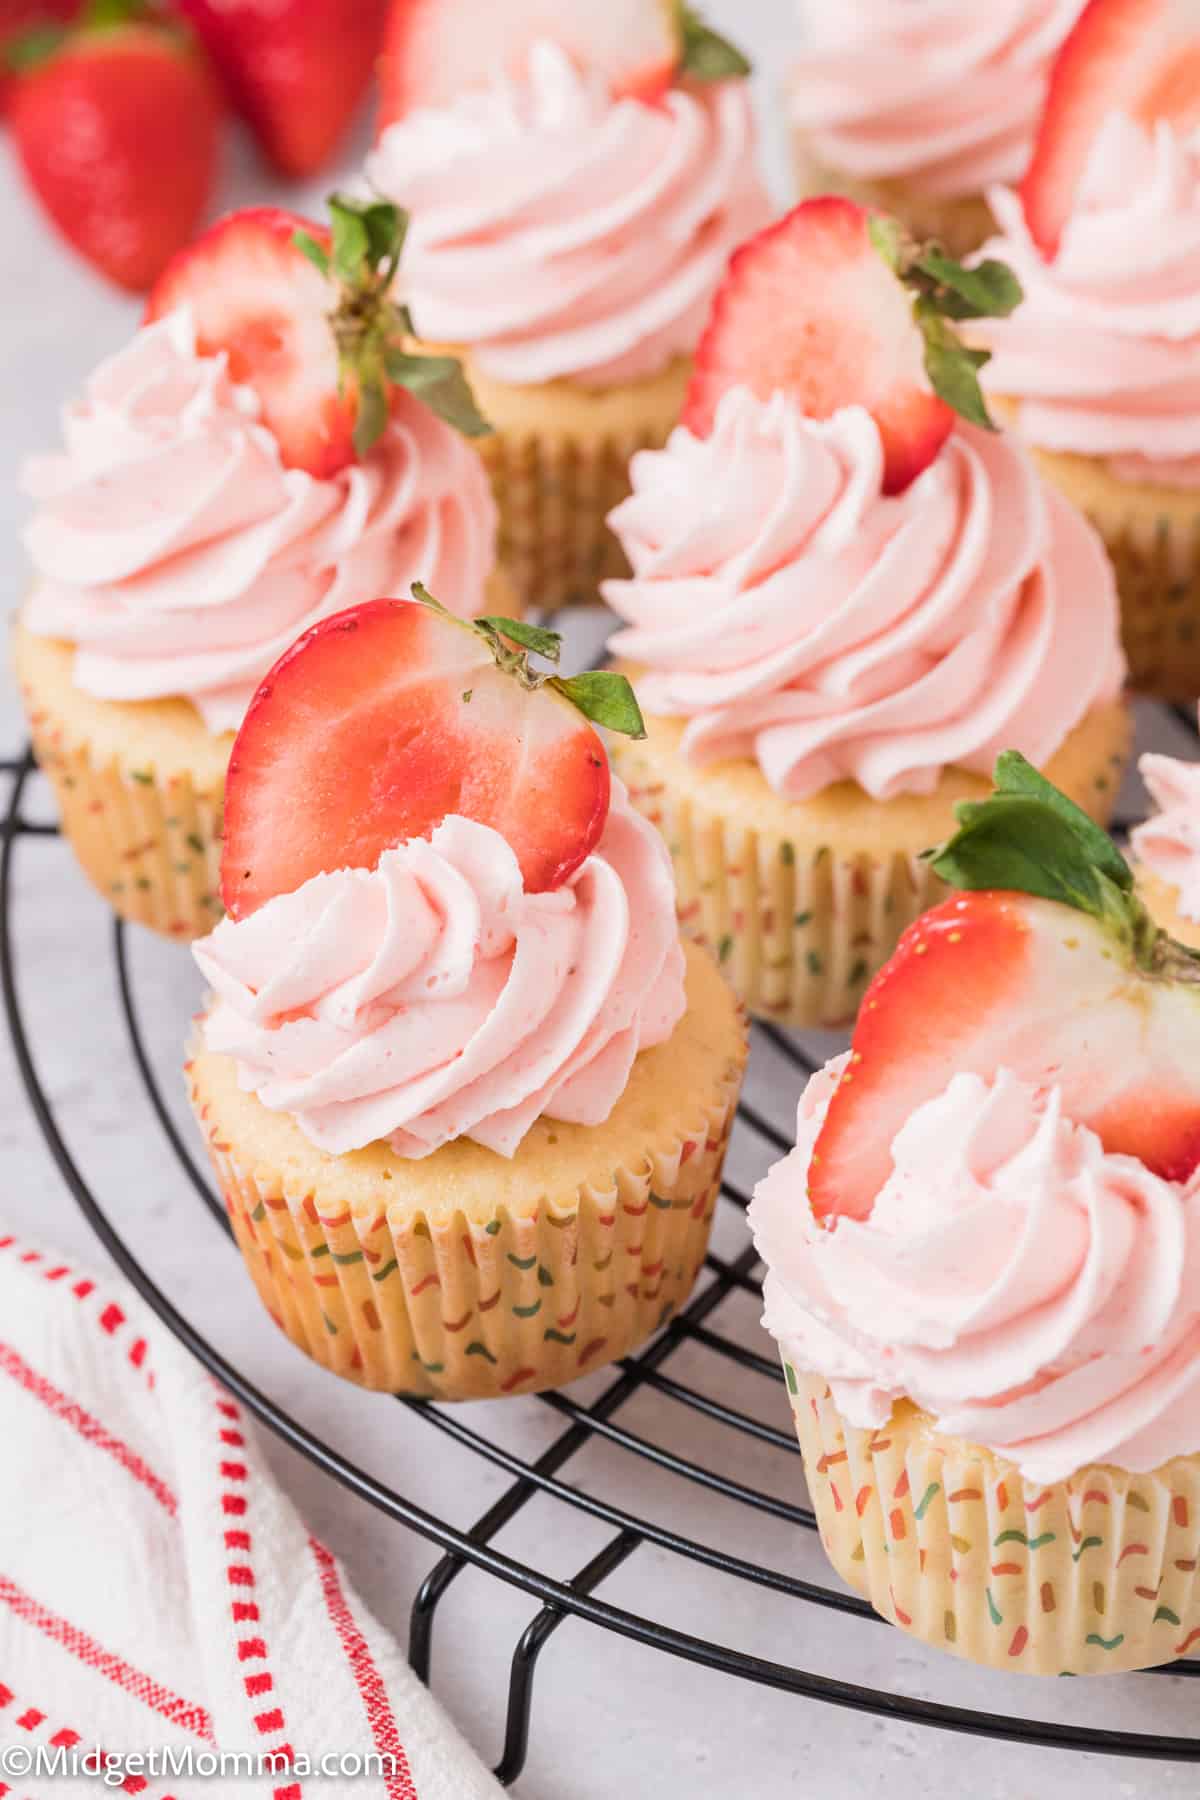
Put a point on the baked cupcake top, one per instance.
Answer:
(1168, 844)
(443, 921)
(873, 595)
(210, 503)
(563, 225)
(941, 93)
(1103, 359)
(993, 1206)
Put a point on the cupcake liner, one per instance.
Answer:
(1091, 1576)
(397, 1293)
(959, 222)
(800, 925)
(150, 844)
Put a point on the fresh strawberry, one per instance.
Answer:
(296, 70)
(834, 306)
(306, 317)
(19, 20)
(117, 130)
(381, 721)
(437, 49)
(1133, 56)
(1051, 968)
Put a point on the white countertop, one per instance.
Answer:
(610, 1717)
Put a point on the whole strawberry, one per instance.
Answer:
(296, 70)
(116, 127)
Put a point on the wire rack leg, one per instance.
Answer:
(530, 1645)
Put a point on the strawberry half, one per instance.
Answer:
(305, 315)
(1132, 56)
(383, 720)
(1067, 984)
(437, 49)
(834, 306)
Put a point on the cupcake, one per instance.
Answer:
(918, 108)
(225, 482)
(575, 188)
(466, 1095)
(1167, 846)
(983, 1262)
(1099, 370)
(845, 601)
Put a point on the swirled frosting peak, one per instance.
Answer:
(1031, 1291)
(432, 998)
(558, 232)
(1169, 843)
(941, 92)
(181, 557)
(1103, 356)
(791, 612)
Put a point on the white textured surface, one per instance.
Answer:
(610, 1717)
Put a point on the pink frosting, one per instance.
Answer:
(1033, 1292)
(791, 612)
(1169, 843)
(431, 998)
(944, 92)
(561, 233)
(177, 552)
(1104, 354)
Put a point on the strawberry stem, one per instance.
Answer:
(944, 294)
(704, 54)
(601, 695)
(361, 259)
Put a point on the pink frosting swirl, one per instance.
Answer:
(943, 92)
(791, 612)
(177, 552)
(432, 998)
(1169, 843)
(558, 232)
(1104, 354)
(1033, 1292)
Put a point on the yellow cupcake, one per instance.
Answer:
(468, 1275)
(140, 785)
(802, 901)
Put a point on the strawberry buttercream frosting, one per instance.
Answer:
(432, 998)
(181, 557)
(1169, 843)
(943, 92)
(1103, 356)
(792, 613)
(1033, 1292)
(556, 231)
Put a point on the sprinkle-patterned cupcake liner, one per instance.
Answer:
(960, 223)
(409, 1300)
(150, 845)
(798, 933)
(1091, 1576)
(554, 495)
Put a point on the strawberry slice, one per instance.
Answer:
(834, 306)
(1081, 992)
(305, 315)
(381, 721)
(256, 296)
(1131, 56)
(435, 50)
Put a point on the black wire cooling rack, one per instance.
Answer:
(548, 1475)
